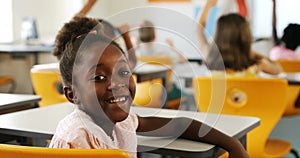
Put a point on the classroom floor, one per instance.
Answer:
(288, 129)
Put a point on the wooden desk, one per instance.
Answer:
(16, 102)
(22, 50)
(41, 123)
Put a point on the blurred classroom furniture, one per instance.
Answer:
(16, 102)
(47, 82)
(264, 98)
(293, 107)
(35, 123)
(290, 65)
(291, 68)
(8, 81)
(150, 92)
(18, 151)
(22, 50)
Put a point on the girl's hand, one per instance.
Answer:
(238, 151)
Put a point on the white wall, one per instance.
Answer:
(50, 16)
(176, 21)
(287, 12)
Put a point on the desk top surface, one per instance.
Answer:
(25, 48)
(42, 122)
(12, 100)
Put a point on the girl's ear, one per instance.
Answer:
(68, 91)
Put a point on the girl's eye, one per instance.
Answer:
(98, 78)
(124, 73)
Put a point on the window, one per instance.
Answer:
(6, 22)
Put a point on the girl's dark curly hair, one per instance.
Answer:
(77, 26)
(73, 39)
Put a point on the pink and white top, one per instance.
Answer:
(280, 52)
(78, 130)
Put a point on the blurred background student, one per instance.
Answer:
(231, 48)
(286, 46)
(164, 53)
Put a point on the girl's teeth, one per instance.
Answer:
(117, 100)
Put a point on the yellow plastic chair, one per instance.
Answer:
(17, 151)
(293, 90)
(8, 80)
(47, 83)
(289, 65)
(258, 97)
(149, 93)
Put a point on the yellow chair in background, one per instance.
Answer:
(47, 83)
(8, 80)
(17, 151)
(149, 93)
(293, 90)
(258, 97)
(289, 65)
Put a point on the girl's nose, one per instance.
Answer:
(116, 85)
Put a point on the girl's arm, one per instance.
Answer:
(87, 7)
(276, 41)
(181, 58)
(202, 20)
(124, 31)
(189, 129)
(267, 65)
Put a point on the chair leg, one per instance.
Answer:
(13, 87)
(295, 153)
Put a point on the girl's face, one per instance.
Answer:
(104, 85)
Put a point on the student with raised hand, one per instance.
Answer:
(231, 46)
(97, 78)
(285, 48)
(148, 45)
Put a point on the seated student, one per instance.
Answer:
(97, 78)
(147, 46)
(232, 49)
(285, 48)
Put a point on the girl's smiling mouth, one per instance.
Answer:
(119, 99)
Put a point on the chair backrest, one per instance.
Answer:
(293, 90)
(47, 83)
(290, 65)
(156, 59)
(8, 80)
(258, 97)
(148, 94)
(17, 151)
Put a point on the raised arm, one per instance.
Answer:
(276, 41)
(124, 31)
(189, 129)
(202, 20)
(181, 58)
(87, 7)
